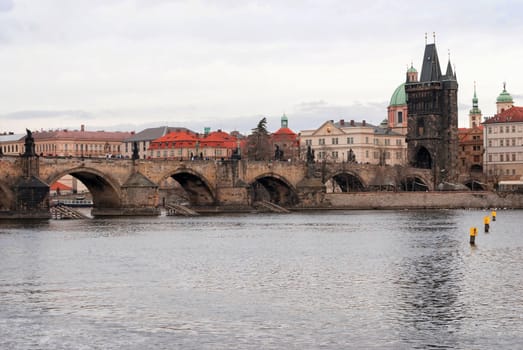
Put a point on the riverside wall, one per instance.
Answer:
(422, 200)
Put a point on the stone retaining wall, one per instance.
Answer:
(421, 200)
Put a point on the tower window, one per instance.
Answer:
(400, 117)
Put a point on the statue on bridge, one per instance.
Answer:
(29, 144)
(135, 151)
(310, 155)
(278, 153)
(351, 156)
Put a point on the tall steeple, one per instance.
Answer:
(432, 124)
(475, 112)
(430, 70)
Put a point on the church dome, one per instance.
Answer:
(504, 96)
(399, 98)
(412, 70)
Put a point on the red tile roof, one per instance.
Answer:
(284, 131)
(514, 114)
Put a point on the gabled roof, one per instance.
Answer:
(81, 135)
(218, 138)
(514, 114)
(11, 137)
(151, 134)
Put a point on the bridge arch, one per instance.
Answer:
(273, 188)
(6, 197)
(197, 189)
(345, 181)
(104, 189)
(475, 185)
(423, 158)
(414, 183)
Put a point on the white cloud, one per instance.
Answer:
(222, 62)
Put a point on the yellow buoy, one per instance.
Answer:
(473, 234)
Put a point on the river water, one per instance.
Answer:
(310, 280)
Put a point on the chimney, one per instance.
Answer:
(82, 127)
(342, 122)
(352, 122)
(363, 123)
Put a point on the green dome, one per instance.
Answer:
(504, 96)
(412, 70)
(399, 98)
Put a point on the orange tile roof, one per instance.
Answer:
(284, 131)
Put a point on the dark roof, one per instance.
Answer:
(150, 134)
(430, 71)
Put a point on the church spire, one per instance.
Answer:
(475, 112)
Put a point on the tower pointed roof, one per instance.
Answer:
(475, 109)
(430, 70)
(449, 74)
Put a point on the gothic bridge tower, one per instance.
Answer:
(432, 124)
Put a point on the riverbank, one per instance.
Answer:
(423, 200)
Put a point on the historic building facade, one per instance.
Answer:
(186, 145)
(432, 124)
(470, 150)
(285, 142)
(72, 143)
(352, 141)
(503, 141)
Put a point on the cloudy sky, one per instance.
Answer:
(131, 64)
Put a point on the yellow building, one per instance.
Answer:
(359, 142)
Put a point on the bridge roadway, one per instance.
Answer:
(134, 187)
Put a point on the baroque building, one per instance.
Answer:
(470, 154)
(503, 141)
(432, 125)
(352, 141)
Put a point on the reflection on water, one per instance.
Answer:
(331, 280)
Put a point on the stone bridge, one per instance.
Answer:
(139, 187)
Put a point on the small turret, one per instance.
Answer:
(412, 74)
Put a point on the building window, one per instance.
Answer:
(501, 130)
(334, 140)
(500, 143)
(350, 140)
(501, 158)
(476, 148)
(476, 159)
(513, 142)
(376, 141)
(399, 155)
(400, 117)
(334, 154)
(490, 143)
(507, 129)
(490, 130)
(513, 157)
(513, 128)
(513, 171)
(398, 142)
(321, 141)
(387, 142)
(367, 154)
(366, 139)
(490, 157)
